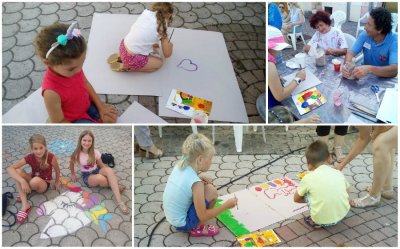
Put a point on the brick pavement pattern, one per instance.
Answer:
(375, 226)
(242, 24)
(114, 140)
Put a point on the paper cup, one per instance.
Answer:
(336, 65)
(301, 59)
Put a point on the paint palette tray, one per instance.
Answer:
(259, 239)
(187, 104)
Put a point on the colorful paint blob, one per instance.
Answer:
(201, 106)
(304, 105)
(258, 189)
(186, 108)
(266, 186)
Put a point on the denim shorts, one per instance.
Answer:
(192, 220)
(85, 175)
(92, 112)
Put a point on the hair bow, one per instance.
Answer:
(63, 39)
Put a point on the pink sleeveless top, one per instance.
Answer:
(75, 100)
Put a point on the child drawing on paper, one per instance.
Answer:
(189, 198)
(94, 171)
(42, 163)
(324, 189)
(139, 50)
(68, 95)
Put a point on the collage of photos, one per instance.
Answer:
(144, 124)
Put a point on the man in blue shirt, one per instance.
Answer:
(379, 46)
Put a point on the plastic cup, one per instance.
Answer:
(337, 98)
(336, 65)
(301, 59)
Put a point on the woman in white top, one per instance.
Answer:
(330, 39)
(138, 51)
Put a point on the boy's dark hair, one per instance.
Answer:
(382, 19)
(317, 152)
(47, 36)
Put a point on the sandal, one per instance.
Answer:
(113, 58)
(360, 202)
(23, 215)
(387, 194)
(150, 155)
(117, 67)
(308, 220)
(204, 230)
(337, 154)
(124, 209)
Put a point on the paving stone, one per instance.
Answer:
(377, 235)
(374, 225)
(351, 233)
(285, 233)
(362, 229)
(300, 242)
(366, 240)
(326, 242)
(298, 228)
(354, 221)
(318, 234)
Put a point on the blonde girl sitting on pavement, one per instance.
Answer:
(138, 51)
(42, 163)
(189, 197)
(68, 95)
(94, 171)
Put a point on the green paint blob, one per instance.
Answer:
(186, 101)
(249, 244)
(313, 97)
(230, 222)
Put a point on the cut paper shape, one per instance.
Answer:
(310, 81)
(68, 213)
(308, 100)
(187, 104)
(259, 209)
(259, 239)
(61, 147)
(188, 65)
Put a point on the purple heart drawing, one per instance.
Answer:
(187, 65)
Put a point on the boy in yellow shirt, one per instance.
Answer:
(324, 189)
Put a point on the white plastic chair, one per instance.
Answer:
(359, 26)
(293, 36)
(339, 17)
(394, 21)
(350, 40)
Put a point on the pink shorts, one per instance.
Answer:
(133, 62)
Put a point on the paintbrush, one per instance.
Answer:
(169, 40)
(374, 120)
(237, 206)
(363, 108)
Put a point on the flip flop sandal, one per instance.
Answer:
(359, 202)
(117, 67)
(23, 215)
(113, 58)
(200, 231)
(111, 162)
(338, 157)
(124, 209)
(311, 223)
(150, 155)
(387, 194)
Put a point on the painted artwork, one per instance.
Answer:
(308, 100)
(260, 206)
(259, 239)
(187, 104)
(71, 211)
(188, 65)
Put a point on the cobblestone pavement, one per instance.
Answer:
(62, 141)
(242, 24)
(362, 227)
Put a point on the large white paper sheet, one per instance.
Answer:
(388, 109)
(30, 110)
(310, 81)
(201, 66)
(138, 114)
(106, 33)
(266, 204)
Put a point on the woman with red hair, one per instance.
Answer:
(330, 39)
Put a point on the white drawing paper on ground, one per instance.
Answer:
(248, 212)
(136, 113)
(266, 204)
(310, 81)
(106, 33)
(207, 73)
(30, 110)
(388, 109)
(353, 119)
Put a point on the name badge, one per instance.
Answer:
(367, 45)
